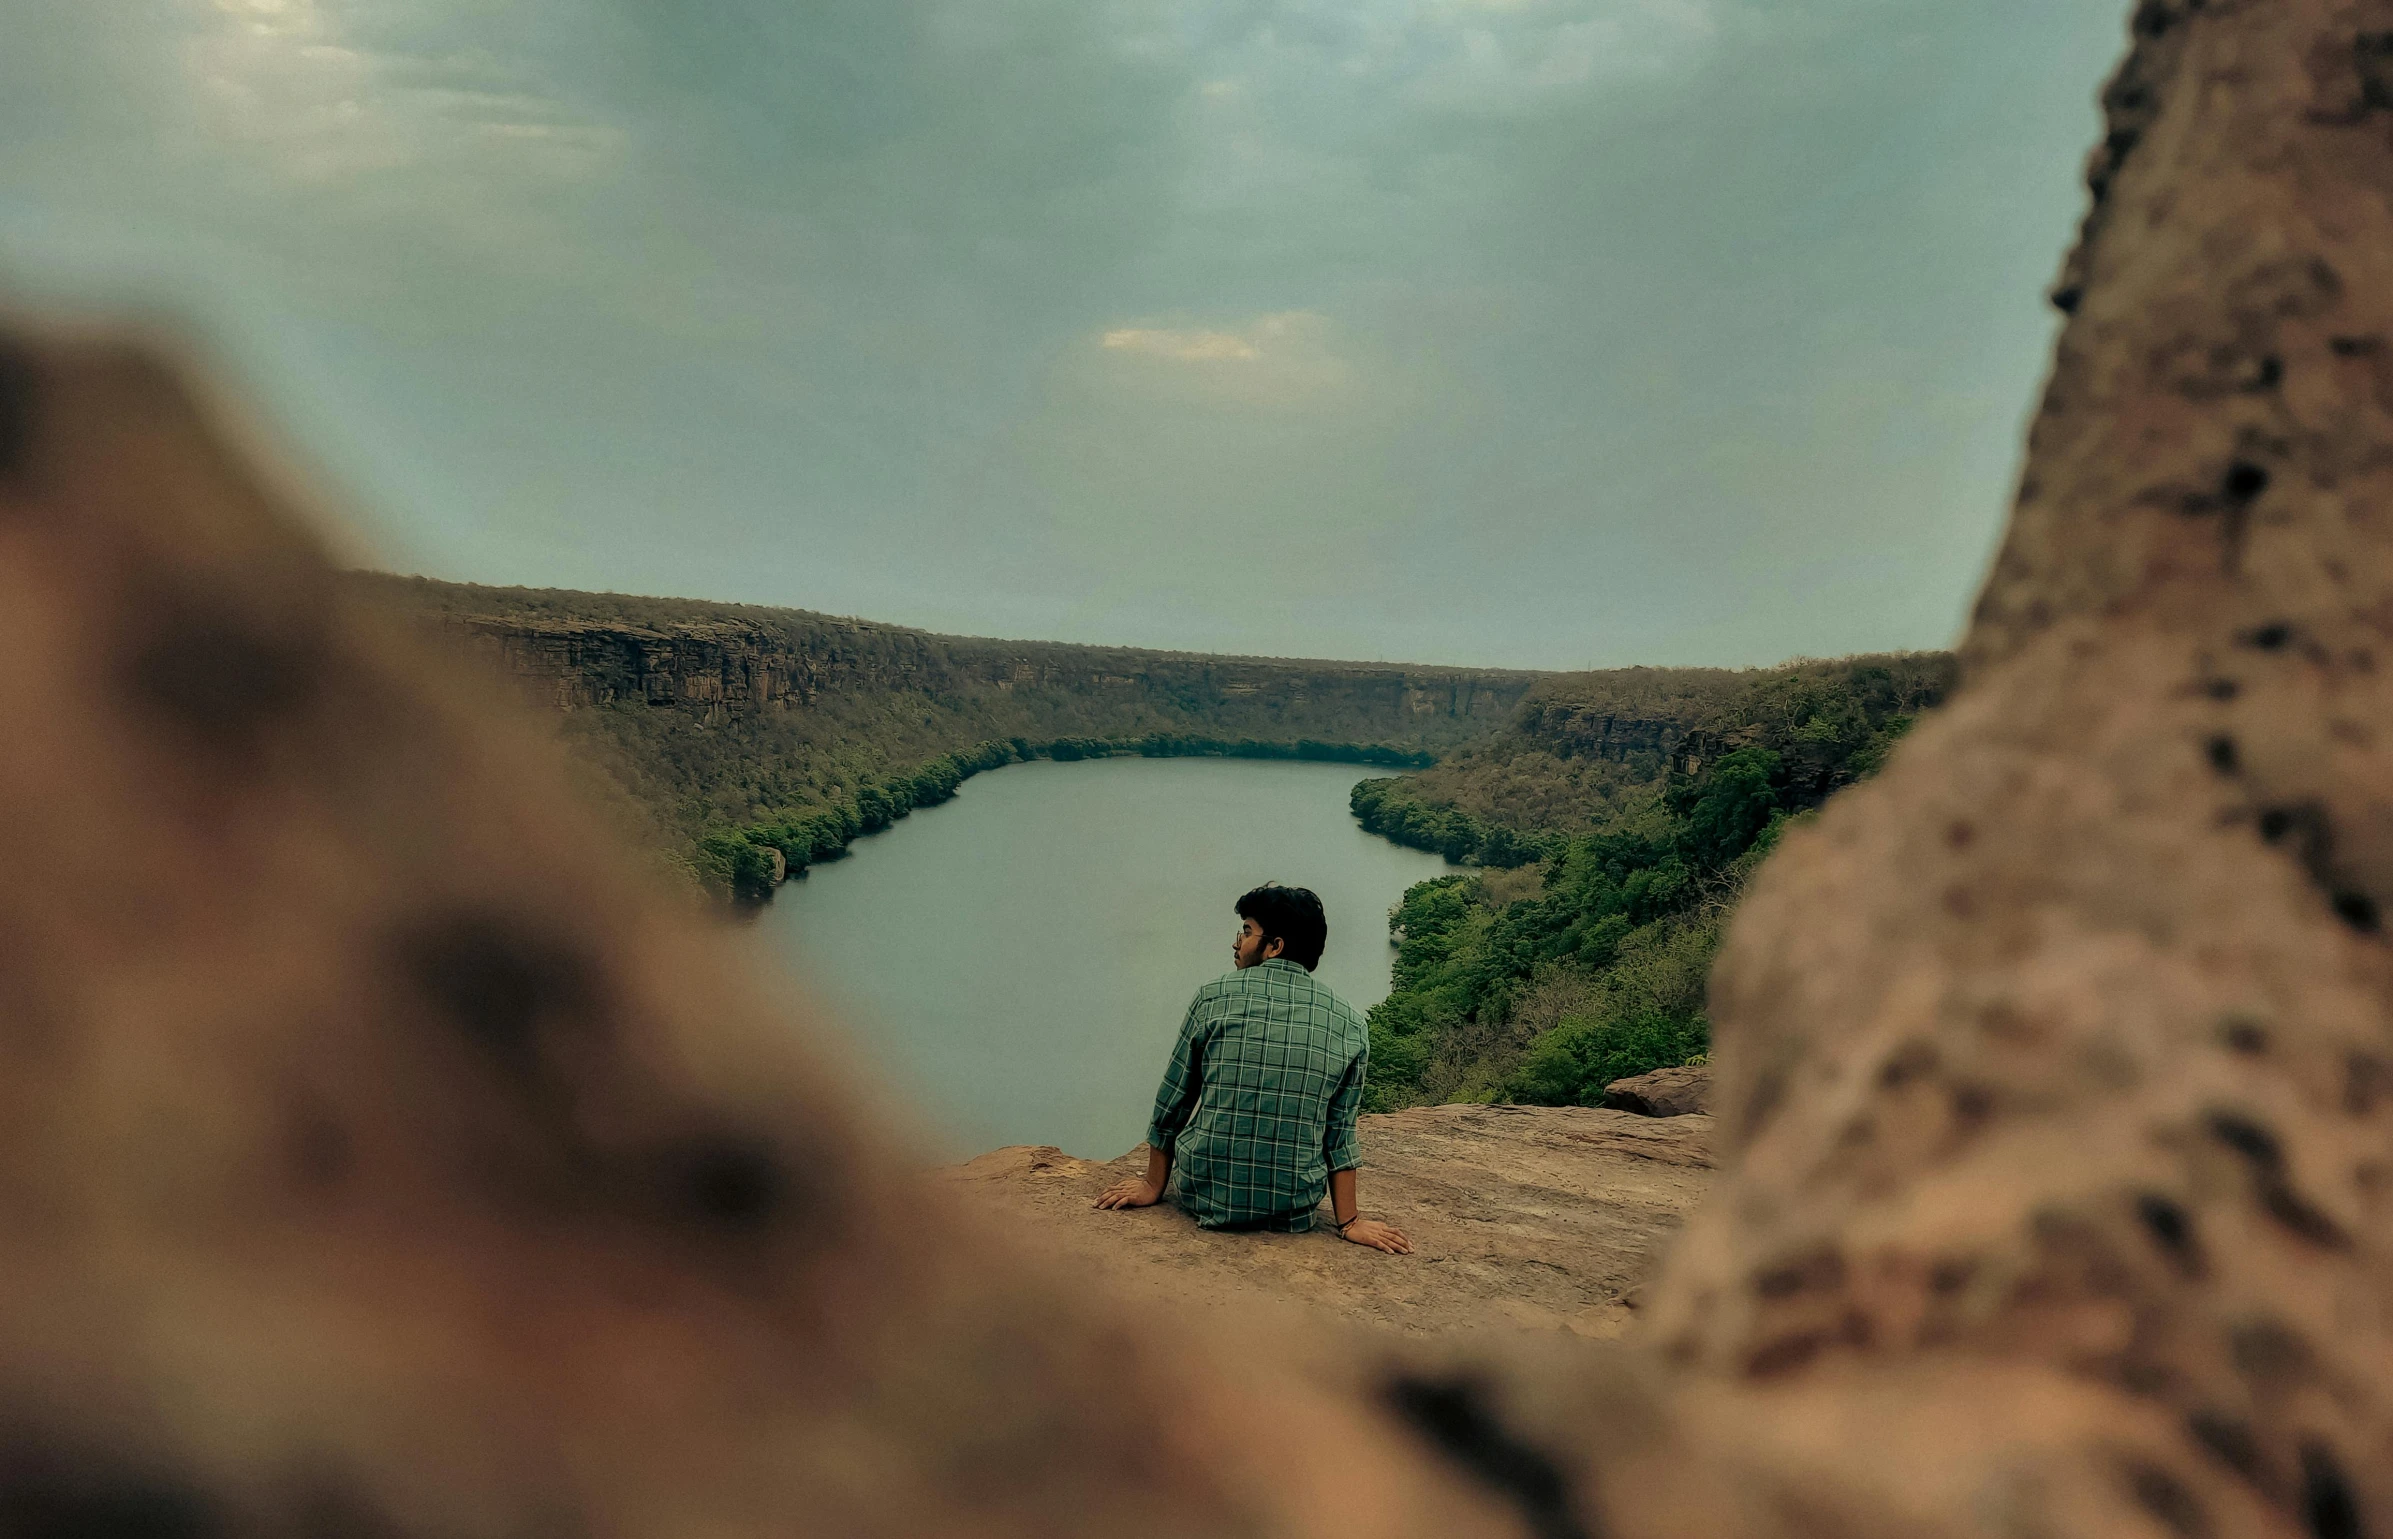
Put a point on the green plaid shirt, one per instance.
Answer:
(1257, 1107)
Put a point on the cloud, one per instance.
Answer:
(1184, 346)
(1446, 55)
(1290, 360)
(1280, 337)
(1513, 56)
(317, 92)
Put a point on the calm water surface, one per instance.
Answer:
(1018, 959)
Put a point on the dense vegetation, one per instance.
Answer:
(1614, 847)
(1396, 810)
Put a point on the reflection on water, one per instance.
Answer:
(1018, 959)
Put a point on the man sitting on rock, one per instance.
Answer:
(1258, 1104)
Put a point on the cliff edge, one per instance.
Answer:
(1542, 1217)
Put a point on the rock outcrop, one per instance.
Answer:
(2056, 1064)
(1687, 716)
(1663, 1093)
(1548, 1218)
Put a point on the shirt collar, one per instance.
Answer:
(1282, 962)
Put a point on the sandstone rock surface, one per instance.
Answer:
(2056, 1064)
(1663, 1093)
(1541, 1217)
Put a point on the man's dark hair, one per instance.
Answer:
(1291, 916)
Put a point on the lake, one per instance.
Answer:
(1018, 959)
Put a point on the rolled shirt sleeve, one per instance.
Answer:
(1339, 1150)
(1183, 1080)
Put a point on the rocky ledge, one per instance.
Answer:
(1541, 1217)
(1663, 1093)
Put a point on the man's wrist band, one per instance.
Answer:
(1341, 1228)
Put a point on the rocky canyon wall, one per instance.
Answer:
(1688, 715)
(717, 663)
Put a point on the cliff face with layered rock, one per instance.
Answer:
(1684, 716)
(718, 662)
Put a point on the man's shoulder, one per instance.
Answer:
(1351, 1022)
(1275, 988)
(1326, 998)
(1320, 996)
(1217, 988)
(1306, 981)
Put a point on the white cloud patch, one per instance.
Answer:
(1183, 346)
(298, 90)
(1472, 56)
(1506, 56)
(1285, 359)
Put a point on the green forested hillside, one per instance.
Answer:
(1618, 818)
(737, 732)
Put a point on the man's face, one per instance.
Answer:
(1250, 947)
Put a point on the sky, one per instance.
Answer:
(1535, 333)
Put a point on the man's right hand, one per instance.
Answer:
(1132, 1193)
(1379, 1236)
